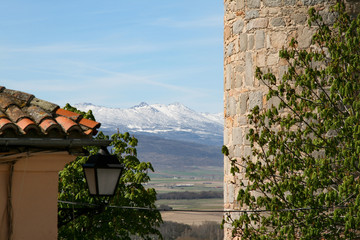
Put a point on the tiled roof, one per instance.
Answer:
(24, 115)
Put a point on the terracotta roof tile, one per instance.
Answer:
(23, 115)
(26, 125)
(2, 114)
(37, 113)
(48, 124)
(25, 98)
(6, 101)
(89, 132)
(89, 123)
(7, 128)
(67, 124)
(15, 113)
(69, 114)
(47, 106)
(6, 123)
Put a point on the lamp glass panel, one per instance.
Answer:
(90, 179)
(108, 180)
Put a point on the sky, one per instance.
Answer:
(114, 53)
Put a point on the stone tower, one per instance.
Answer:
(254, 32)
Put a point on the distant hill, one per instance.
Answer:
(172, 154)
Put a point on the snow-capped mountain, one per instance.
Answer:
(173, 121)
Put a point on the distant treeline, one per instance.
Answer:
(180, 231)
(190, 195)
(205, 231)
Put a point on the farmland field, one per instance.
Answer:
(191, 182)
(192, 204)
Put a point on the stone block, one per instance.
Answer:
(328, 17)
(247, 151)
(272, 59)
(226, 166)
(231, 106)
(255, 99)
(242, 120)
(254, 4)
(299, 18)
(277, 22)
(229, 193)
(238, 153)
(278, 40)
(272, 3)
(240, 5)
(257, 23)
(237, 136)
(246, 141)
(229, 16)
(226, 136)
(230, 6)
(243, 99)
(251, 41)
(274, 101)
(228, 76)
(305, 37)
(289, 2)
(249, 70)
(251, 14)
(227, 32)
(261, 59)
(243, 41)
(259, 39)
(229, 49)
(312, 2)
(240, 68)
(239, 79)
(238, 26)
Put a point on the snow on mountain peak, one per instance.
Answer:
(142, 104)
(173, 119)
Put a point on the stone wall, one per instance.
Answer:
(254, 32)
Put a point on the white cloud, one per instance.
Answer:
(79, 48)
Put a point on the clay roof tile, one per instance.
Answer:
(7, 126)
(27, 124)
(37, 113)
(47, 106)
(67, 124)
(6, 101)
(89, 123)
(48, 125)
(5, 123)
(25, 98)
(73, 116)
(15, 113)
(2, 114)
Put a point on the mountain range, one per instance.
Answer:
(172, 121)
(174, 138)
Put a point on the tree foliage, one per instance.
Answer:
(108, 222)
(304, 168)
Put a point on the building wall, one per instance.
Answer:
(254, 32)
(34, 192)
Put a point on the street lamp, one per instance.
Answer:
(102, 173)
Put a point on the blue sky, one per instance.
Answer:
(115, 53)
